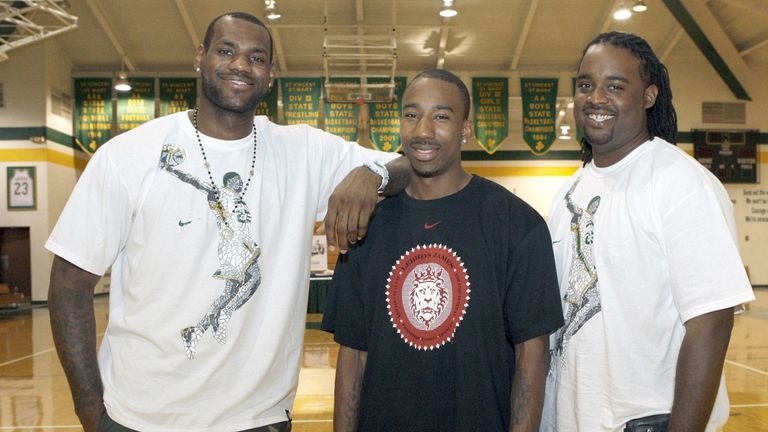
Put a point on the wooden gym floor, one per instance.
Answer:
(34, 395)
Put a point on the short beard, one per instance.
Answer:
(214, 95)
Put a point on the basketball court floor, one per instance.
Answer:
(34, 395)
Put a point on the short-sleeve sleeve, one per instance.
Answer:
(337, 159)
(705, 268)
(344, 313)
(532, 303)
(95, 222)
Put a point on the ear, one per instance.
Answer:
(467, 130)
(272, 74)
(199, 53)
(650, 94)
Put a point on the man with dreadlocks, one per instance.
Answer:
(645, 248)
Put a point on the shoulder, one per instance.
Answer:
(147, 137)
(137, 151)
(673, 170)
(293, 135)
(500, 200)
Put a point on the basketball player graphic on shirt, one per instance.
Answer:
(583, 293)
(237, 251)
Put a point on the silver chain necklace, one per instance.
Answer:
(207, 165)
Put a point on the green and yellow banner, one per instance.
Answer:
(268, 106)
(341, 118)
(539, 112)
(491, 111)
(137, 106)
(177, 95)
(93, 113)
(384, 118)
(301, 100)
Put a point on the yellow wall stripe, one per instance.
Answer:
(521, 171)
(42, 155)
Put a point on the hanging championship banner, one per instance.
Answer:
(268, 106)
(385, 118)
(137, 106)
(177, 95)
(491, 111)
(93, 113)
(341, 118)
(301, 100)
(539, 112)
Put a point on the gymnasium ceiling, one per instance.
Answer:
(494, 37)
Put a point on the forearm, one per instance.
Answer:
(699, 367)
(531, 365)
(70, 299)
(399, 176)
(349, 383)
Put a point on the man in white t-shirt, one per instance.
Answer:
(206, 219)
(646, 253)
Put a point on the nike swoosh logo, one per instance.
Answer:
(181, 224)
(429, 226)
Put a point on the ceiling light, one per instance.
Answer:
(122, 84)
(622, 13)
(448, 11)
(640, 6)
(270, 9)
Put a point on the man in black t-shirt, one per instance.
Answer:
(444, 310)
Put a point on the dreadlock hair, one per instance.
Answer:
(449, 77)
(662, 119)
(236, 15)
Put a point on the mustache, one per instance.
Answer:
(421, 141)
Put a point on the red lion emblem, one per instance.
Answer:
(427, 296)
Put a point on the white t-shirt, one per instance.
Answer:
(145, 206)
(641, 247)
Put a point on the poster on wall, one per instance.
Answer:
(136, 106)
(301, 100)
(93, 113)
(539, 113)
(268, 106)
(21, 185)
(384, 121)
(177, 95)
(490, 111)
(319, 261)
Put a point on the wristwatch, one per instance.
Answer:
(379, 169)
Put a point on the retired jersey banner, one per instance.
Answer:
(491, 111)
(177, 95)
(268, 106)
(301, 100)
(137, 106)
(384, 121)
(93, 113)
(539, 112)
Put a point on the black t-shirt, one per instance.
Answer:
(438, 294)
